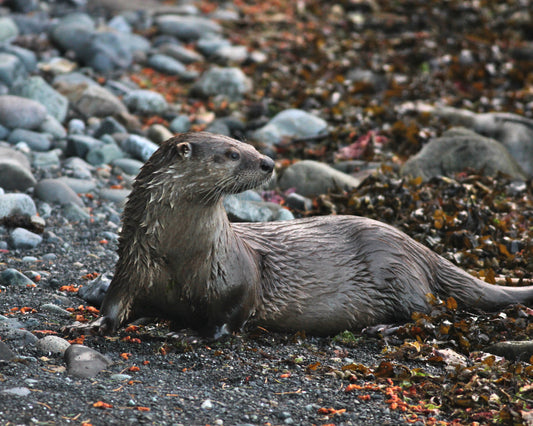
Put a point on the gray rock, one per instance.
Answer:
(52, 345)
(512, 350)
(227, 82)
(12, 69)
(53, 127)
(207, 405)
(180, 124)
(186, 28)
(210, 44)
(231, 54)
(18, 337)
(84, 362)
(220, 127)
(12, 277)
(134, 43)
(311, 178)
(46, 160)
(104, 154)
(290, 124)
(39, 90)
(4, 132)
(6, 354)
(75, 213)
(72, 79)
(76, 127)
(299, 202)
(158, 133)
(145, 102)
(16, 204)
(80, 169)
(108, 126)
(180, 53)
(8, 29)
(128, 165)
(249, 207)
(50, 307)
(92, 100)
(139, 147)
(56, 191)
(72, 31)
(104, 52)
(28, 58)
(513, 131)
(115, 195)
(17, 391)
(120, 377)
(19, 112)
(94, 291)
(367, 80)
(170, 66)
(35, 140)
(80, 145)
(458, 149)
(21, 238)
(14, 176)
(79, 186)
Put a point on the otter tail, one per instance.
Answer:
(472, 292)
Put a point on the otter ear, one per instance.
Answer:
(184, 150)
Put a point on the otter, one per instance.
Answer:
(181, 259)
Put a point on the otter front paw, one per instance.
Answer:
(101, 326)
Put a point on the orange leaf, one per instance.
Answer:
(101, 404)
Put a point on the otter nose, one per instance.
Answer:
(267, 164)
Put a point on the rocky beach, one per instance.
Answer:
(418, 114)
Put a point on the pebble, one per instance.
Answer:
(180, 124)
(170, 66)
(311, 178)
(457, 149)
(16, 204)
(138, 146)
(53, 127)
(129, 166)
(15, 171)
(53, 308)
(92, 100)
(6, 354)
(17, 391)
(39, 90)
(8, 29)
(75, 213)
(79, 186)
(227, 82)
(80, 145)
(120, 377)
(115, 195)
(84, 362)
(104, 154)
(79, 168)
(21, 238)
(27, 57)
(186, 28)
(207, 405)
(12, 69)
(290, 124)
(180, 53)
(52, 345)
(12, 277)
(145, 102)
(56, 191)
(35, 140)
(19, 112)
(159, 133)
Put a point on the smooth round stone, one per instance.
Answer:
(56, 191)
(49, 257)
(145, 102)
(16, 204)
(290, 124)
(53, 127)
(76, 127)
(79, 186)
(39, 90)
(104, 52)
(159, 133)
(35, 140)
(109, 126)
(6, 354)
(17, 391)
(12, 69)
(180, 124)
(21, 238)
(53, 345)
(116, 195)
(15, 172)
(84, 362)
(187, 28)
(128, 165)
(208, 46)
(72, 32)
(94, 291)
(28, 58)
(92, 100)
(46, 160)
(104, 154)
(180, 53)
(15, 278)
(138, 146)
(233, 54)
(79, 167)
(29, 259)
(19, 112)
(75, 213)
(228, 82)
(170, 66)
(311, 178)
(120, 377)
(8, 29)
(4, 132)
(80, 145)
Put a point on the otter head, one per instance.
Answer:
(203, 166)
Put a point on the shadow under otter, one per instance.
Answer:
(181, 259)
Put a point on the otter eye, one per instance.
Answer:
(234, 155)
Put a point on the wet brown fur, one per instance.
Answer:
(180, 258)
